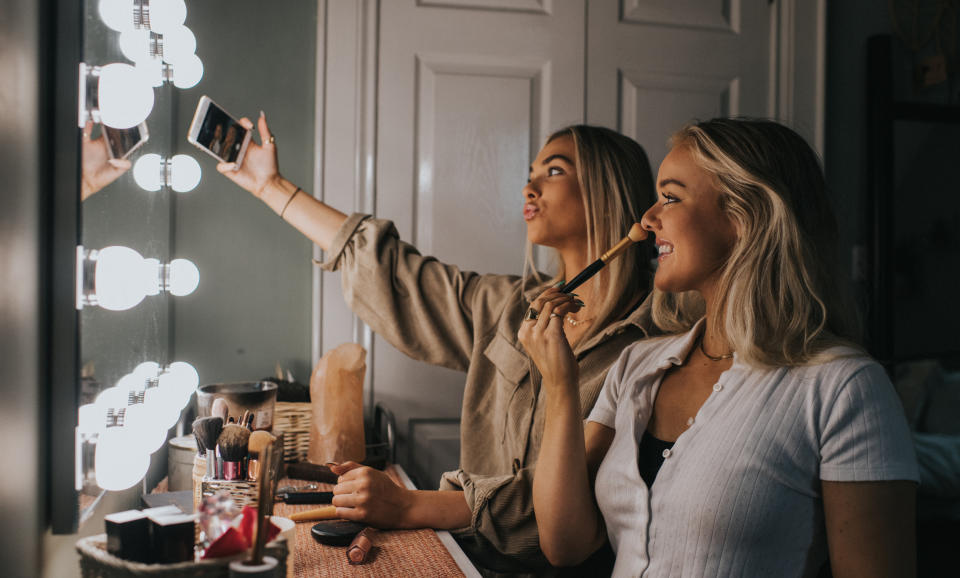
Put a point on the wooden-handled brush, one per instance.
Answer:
(635, 235)
(259, 440)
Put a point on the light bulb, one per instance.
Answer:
(135, 44)
(164, 401)
(142, 423)
(166, 15)
(121, 278)
(119, 461)
(117, 14)
(188, 72)
(112, 397)
(125, 98)
(148, 172)
(90, 419)
(183, 377)
(151, 70)
(184, 173)
(184, 277)
(147, 369)
(179, 44)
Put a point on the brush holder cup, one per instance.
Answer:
(259, 397)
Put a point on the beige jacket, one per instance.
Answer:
(461, 320)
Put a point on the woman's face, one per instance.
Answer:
(694, 236)
(553, 206)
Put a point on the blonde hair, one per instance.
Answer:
(781, 299)
(616, 185)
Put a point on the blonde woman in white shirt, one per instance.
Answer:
(757, 440)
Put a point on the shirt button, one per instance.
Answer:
(667, 453)
(717, 387)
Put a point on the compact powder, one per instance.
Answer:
(336, 532)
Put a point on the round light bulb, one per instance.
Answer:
(135, 44)
(148, 172)
(117, 14)
(121, 278)
(151, 71)
(179, 44)
(188, 72)
(125, 97)
(184, 277)
(165, 403)
(183, 377)
(131, 382)
(90, 419)
(147, 369)
(119, 462)
(112, 397)
(142, 424)
(184, 173)
(167, 15)
(153, 280)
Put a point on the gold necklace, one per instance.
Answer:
(714, 357)
(574, 323)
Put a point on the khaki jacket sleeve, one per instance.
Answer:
(418, 304)
(503, 523)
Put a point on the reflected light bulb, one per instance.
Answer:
(166, 15)
(125, 97)
(147, 369)
(148, 172)
(135, 44)
(117, 14)
(112, 397)
(90, 418)
(184, 277)
(179, 44)
(119, 462)
(182, 376)
(142, 424)
(151, 71)
(164, 402)
(121, 278)
(184, 173)
(188, 72)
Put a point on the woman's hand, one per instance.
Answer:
(260, 166)
(363, 494)
(545, 341)
(97, 168)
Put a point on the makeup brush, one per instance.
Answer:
(259, 440)
(220, 409)
(207, 430)
(636, 234)
(233, 448)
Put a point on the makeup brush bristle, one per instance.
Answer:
(233, 442)
(207, 431)
(637, 233)
(259, 440)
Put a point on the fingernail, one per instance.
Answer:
(580, 303)
(559, 284)
(262, 114)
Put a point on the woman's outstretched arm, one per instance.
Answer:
(260, 175)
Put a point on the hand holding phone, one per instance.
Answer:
(217, 133)
(121, 142)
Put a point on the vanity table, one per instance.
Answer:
(395, 552)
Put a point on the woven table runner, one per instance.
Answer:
(394, 552)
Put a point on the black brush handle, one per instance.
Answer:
(306, 497)
(582, 277)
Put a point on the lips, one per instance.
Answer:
(530, 211)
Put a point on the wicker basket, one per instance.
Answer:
(292, 420)
(243, 492)
(96, 562)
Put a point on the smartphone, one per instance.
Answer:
(123, 141)
(217, 133)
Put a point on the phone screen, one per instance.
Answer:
(220, 134)
(123, 141)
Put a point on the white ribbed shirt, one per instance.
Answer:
(739, 492)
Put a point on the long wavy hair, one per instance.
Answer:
(616, 185)
(782, 301)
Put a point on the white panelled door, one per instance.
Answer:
(433, 110)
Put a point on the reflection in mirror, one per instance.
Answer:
(132, 392)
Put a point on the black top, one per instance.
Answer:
(650, 456)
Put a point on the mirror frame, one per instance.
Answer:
(60, 140)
